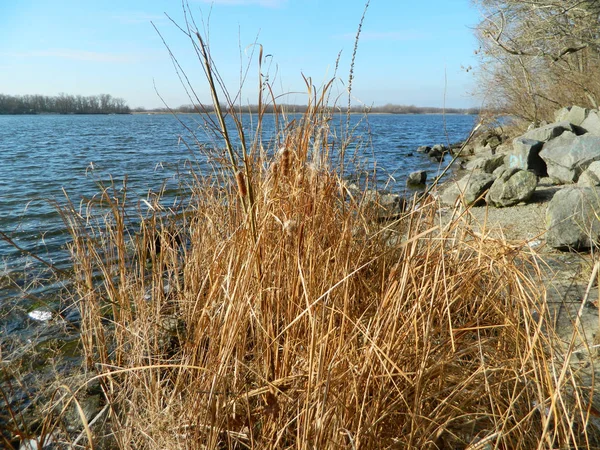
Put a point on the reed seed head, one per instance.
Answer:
(241, 183)
(285, 160)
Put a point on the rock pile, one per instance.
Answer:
(504, 173)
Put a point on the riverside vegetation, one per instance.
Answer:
(274, 310)
(62, 104)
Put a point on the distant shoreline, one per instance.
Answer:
(153, 113)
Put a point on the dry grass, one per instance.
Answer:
(317, 328)
(274, 312)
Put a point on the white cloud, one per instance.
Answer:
(262, 3)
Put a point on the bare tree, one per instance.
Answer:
(538, 55)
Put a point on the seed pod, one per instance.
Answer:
(285, 161)
(273, 168)
(241, 183)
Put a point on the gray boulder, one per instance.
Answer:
(568, 156)
(592, 123)
(486, 164)
(590, 177)
(471, 188)
(392, 203)
(499, 171)
(526, 156)
(574, 115)
(572, 218)
(417, 178)
(382, 203)
(494, 141)
(424, 149)
(512, 187)
(548, 132)
(437, 152)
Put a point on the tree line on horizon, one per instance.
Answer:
(290, 108)
(63, 104)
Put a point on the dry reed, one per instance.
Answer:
(320, 331)
(295, 320)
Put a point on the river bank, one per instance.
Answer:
(334, 300)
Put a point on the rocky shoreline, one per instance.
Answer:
(539, 191)
(556, 164)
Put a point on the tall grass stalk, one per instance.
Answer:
(311, 328)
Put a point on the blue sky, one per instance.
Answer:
(406, 51)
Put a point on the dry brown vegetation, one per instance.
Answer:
(274, 312)
(317, 328)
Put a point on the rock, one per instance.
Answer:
(560, 115)
(549, 181)
(590, 177)
(40, 315)
(392, 202)
(424, 149)
(504, 148)
(568, 156)
(474, 149)
(526, 156)
(417, 178)
(471, 187)
(493, 141)
(48, 442)
(514, 186)
(592, 123)
(486, 164)
(90, 406)
(492, 137)
(383, 203)
(572, 218)
(437, 152)
(575, 115)
(352, 187)
(499, 171)
(548, 132)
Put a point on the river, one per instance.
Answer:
(46, 156)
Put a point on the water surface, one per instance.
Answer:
(46, 156)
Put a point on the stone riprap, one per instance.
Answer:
(526, 156)
(590, 176)
(417, 178)
(471, 188)
(569, 155)
(575, 115)
(592, 124)
(511, 188)
(486, 164)
(572, 218)
(548, 132)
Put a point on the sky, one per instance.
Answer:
(410, 52)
